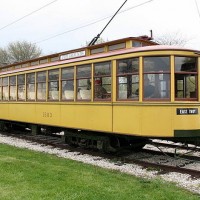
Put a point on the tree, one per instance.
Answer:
(18, 52)
(171, 39)
(4, 57)
(99, 41)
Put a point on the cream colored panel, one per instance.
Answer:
(127, 119)
(157, 121)
(91, 117)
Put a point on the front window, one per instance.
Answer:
(21, 87)
(102, 81)
(53, 85)
(156, 78)
(185, 78)
(84, 82)
(128, 79)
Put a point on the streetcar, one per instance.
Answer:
(109, 95)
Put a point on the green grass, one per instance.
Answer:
(31, 175)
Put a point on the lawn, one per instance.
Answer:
(25, 174)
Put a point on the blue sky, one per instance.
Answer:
(62, 16)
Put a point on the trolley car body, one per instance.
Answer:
(60, 90)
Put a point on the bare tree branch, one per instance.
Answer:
(172, 39)
(18, 52)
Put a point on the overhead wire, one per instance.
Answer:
(197, 8)
(91, 23)
(27, 15)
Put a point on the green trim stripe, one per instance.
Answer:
(187, 133)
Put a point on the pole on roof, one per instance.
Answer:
(98, 35)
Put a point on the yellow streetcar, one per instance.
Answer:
(108, 95)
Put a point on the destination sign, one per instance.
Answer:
(187, 111)
(72, 55)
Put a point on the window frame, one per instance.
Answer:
(51, 96)
(63, 85)
(155, 73)
(10, 85)
(126, 75)
(5, 85)
(30, 83)
(195, 73)
(21, 84)
(88, 87)
(100, 77)
(42, 82)
(1, 98)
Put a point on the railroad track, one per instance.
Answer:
(166, 162)
(149, 159)
(164, 143)
(175, 150)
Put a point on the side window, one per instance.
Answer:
(53, 79)
(156, 78)
(136, 44)
(102, 81)
(5, 88)
(128, 79)
(186, 78)
(68, 83)
(21, 87)
(41, 86)
(0, 89)
(83, 82)
(12, 85)
(30, 87)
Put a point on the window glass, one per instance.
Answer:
(128, 78)
(136, 44)
(185, 64)
(21, 87)
(0, 88)
(84, 82)
(31, 86)
(156, 64)
(12, 85)
(98, 50)
(116, 46)
(21, 79)
(156, 78)
(5, 88)
(54, 75)
(5, 81)
(31, 78)
(84, 71)
(156, 86)
(186, 78)
(102, 81)
(53, 84)
(68, 73)
(41, 77)
(102, 69)
(68, 83)
(41, 85)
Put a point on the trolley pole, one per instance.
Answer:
(97, 37)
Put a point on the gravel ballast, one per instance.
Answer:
(182, 180)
